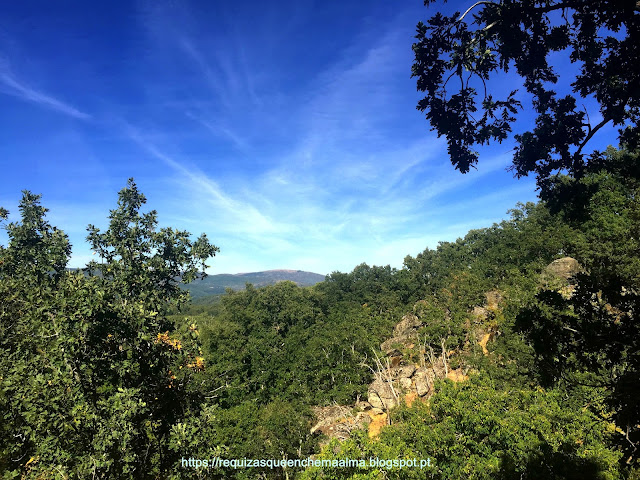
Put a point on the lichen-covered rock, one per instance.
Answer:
(375, 401)
(559, 275)
(563, 268)
(382, 395)
(479, 314)
(405, 383)
(407, 325)
(338, 421)
(405, 371)
(422, 384)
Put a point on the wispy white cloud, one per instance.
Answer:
(244, 217)
(291, 144)
(219, 84)
(13, 86)
(347, 181)
(221, 131)
(357, 95)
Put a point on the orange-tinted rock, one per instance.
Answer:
(457, 376)
(410, 398)
(483, 342)
(378, 420)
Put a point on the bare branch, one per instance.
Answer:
(444, 356)
(481, 2)
(386, 371)
(570, 329)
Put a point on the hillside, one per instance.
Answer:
(217, 284)
(510, 353)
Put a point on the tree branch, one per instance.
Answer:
(592, 132)
(481, 2)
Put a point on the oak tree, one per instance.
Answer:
(94, 378)
(457, 57)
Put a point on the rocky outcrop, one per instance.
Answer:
(338, 421)
(560, 275)
(382, 394)
(483, 317)
(400, 380)
(397, 380)
(409, 383)
(493, 301)
(404, 333)
(391, 386)
(563, 268)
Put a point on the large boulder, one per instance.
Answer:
(563, 268)
(381, 395)
(559, 275)
(423, 386)
(405, 383)
(405, 371)
(407, 326)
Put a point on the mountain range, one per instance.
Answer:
(217, 284)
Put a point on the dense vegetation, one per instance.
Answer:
(109, 373)
(102, 377)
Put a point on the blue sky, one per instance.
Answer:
(287, 131)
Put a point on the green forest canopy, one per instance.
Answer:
(110, 374)
(113, 376)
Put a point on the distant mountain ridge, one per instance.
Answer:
(280, 270)
(216, 284)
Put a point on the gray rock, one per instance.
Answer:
(405, 383)
(563, 268)
(422, 385)
(407, 371)
(375, 401)
(381, 395)
(408, 325)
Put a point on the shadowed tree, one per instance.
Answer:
(456, 56)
